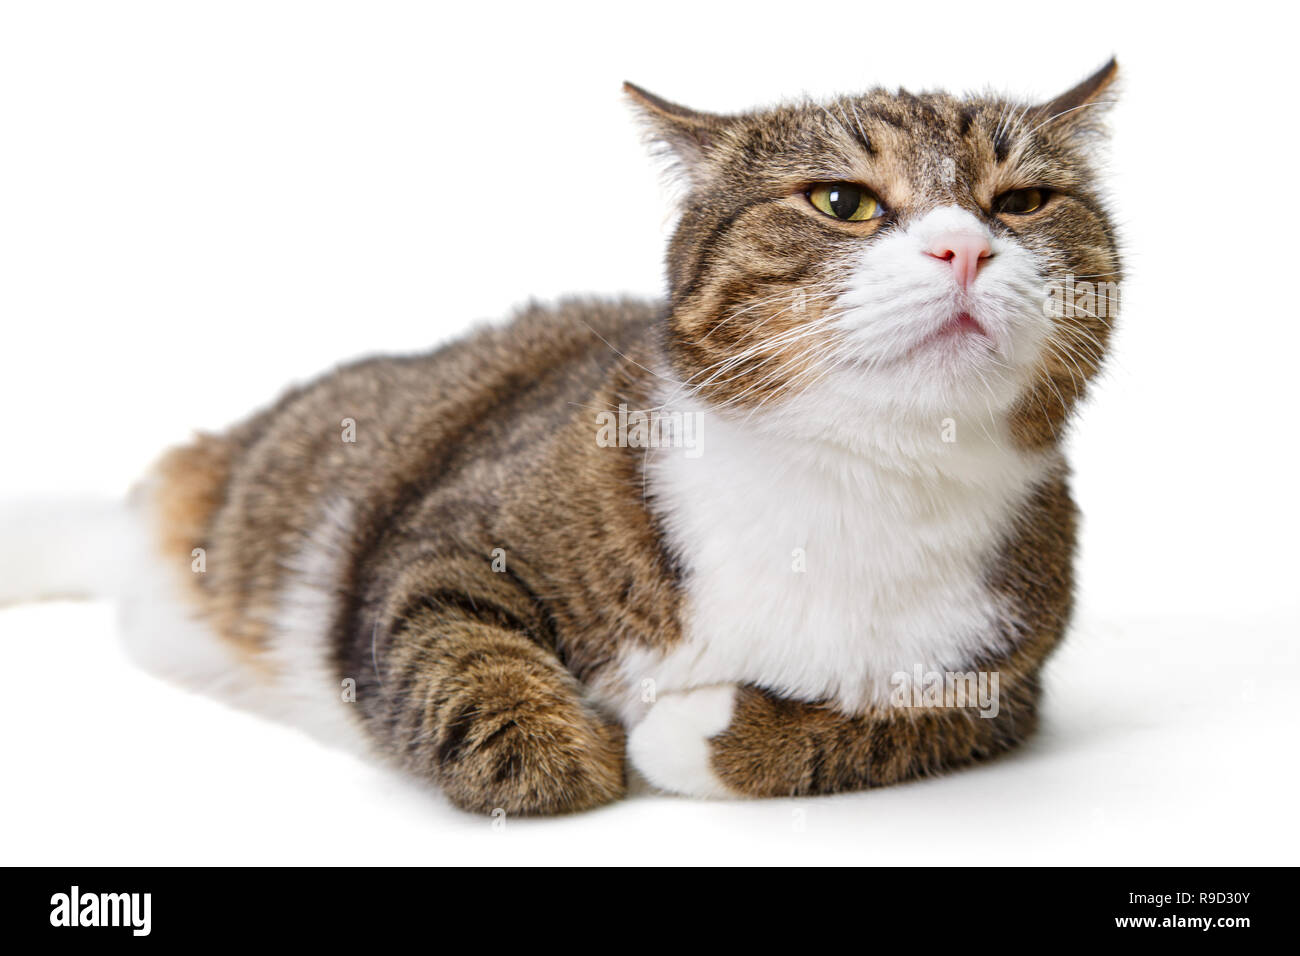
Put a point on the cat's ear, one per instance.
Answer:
(1080, 108)
(687, 135)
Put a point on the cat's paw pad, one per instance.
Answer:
(670, 747)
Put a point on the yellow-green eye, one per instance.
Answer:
(1020, 202)
(847, 201)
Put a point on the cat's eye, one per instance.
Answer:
(847, 201)
(1020, 202)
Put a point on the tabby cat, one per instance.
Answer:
(716, 539)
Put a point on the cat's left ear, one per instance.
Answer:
(1080, 109)
(689, 135)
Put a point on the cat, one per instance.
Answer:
(724, 538)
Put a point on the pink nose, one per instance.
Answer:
(965, 250)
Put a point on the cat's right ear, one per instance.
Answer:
(686, 135)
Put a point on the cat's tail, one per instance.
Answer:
(64, 549)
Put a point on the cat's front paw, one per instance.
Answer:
(671, 748)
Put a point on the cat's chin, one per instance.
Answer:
(957, 374)
(959, 351)
(953, 354)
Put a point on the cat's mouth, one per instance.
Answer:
(961, 328)
(963, 323)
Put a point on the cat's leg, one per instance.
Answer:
(473, 698)
(729, 740)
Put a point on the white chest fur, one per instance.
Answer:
(821, 573)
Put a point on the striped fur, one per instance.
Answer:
(481, 570)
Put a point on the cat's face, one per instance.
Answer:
(910, 256)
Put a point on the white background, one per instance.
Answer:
(201, 203)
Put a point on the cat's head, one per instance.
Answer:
(905, 256)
